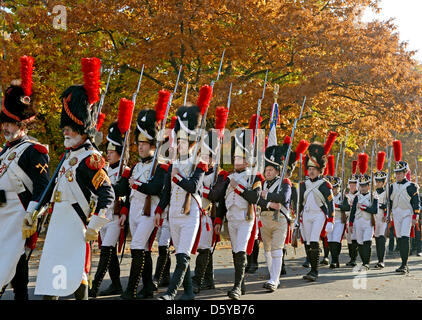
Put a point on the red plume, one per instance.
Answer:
(124, 116)
(397, 150)
(354, 166)
(205, 95)
(91, 70)
(252, 124)
(380, 160)
(287, 140)
(173, 122)
(161, 105)
(301, 148)
(221, 114)
(363, 163)
(100, 120)
(27, 64)
(331, 167)
(330, 141)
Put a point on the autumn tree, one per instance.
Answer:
(354, 75)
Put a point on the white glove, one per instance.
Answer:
(95, 224)
(329, 227)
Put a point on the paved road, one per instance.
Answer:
(336, 284)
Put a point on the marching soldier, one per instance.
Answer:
(361, 215)
(110, 233)
(142, 199)
(404, 202)
(82, 188)
(238, 205)
(316, 202)
(204, 258)
(380, 217)
(352, 244)
(334, 238)
(274, 228)
(182, 194)
(24, 175)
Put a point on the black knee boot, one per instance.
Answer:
(325, 260)
(313, 259)
(136, 268)
(334, 254)
(187, 286)
(208, 282)
(367, 253)
(254, 257)
(404, 247)
(182, 262)
(103, 265)
(114, 272)
(353, 253)
(283, 266)
(20, 280)
(200, 267)
(163, 257)
(306, 263)
(148, 287)
(82, 292)
(239, 274)
(380, 245)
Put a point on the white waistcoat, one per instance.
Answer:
(400, 197)
(366, 201)
(317, 200)
(337, 201)
(140, 173)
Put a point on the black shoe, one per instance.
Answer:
(271, 287)
(252, 268)
(334, 265)
(364, 267)
(311, 276)
(111, 290)
(380, 265)
(403, 269)
(351, 263)
(283, 270)
(306, 264)
(419, 254)
(325, 261)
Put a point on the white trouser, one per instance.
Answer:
(163, 234)
(141, 228)
(313, 222)
(364, 230)
(402, 222)
(275, 267)
(380, 227)
(183, 230)
(110, 232)
(337, 233)
(205, 241)
(240, 231)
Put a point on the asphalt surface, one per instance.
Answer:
(344, 283)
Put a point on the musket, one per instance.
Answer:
(338, 156)
(416, 170)
(296, 229)
(342, 168)
(100, 105)
(286, 162)
(162, 127)
(258, 112)
(40, 205)
(388, 191)
(125, 140)
(186, 92)
(204, 119)
(372, 173)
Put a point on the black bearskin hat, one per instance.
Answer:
(17, 106)
(114, 139)
(316, 157)
(188, 120)
(77, 112)
(146, 127)
(274, 156)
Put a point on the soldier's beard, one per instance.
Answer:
(70, 142)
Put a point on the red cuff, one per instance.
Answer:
(239, 189)
(351, 224)
(414, 217)
(126, 173)
(218, 221)
(205, 192)
(95, 214)
(177, 178)
(337, 206)
(203, 166)
(158, 210)
(330, 220)
(259, 224)
(124, 211)
(135, 186)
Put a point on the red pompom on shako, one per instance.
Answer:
(161, 105)
(173, 122)
(205, 95)
(124, 116)
(397, 150)
(221, 114)
(301, 148)
(100, 120)
(331, 167)
(380, 160)
(287, 140)
(354, 166)
(252, 124)
(27, 66)
(91, 70)
(330, 141)
(363, 163)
